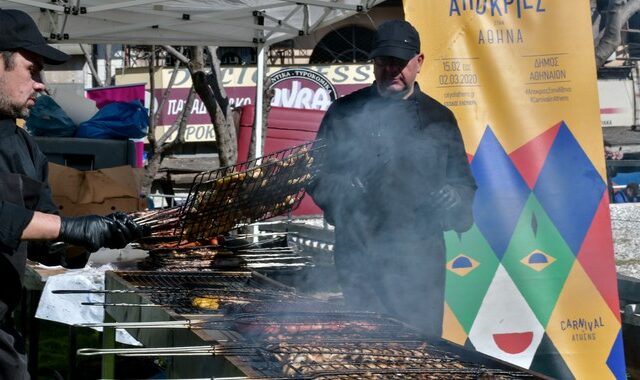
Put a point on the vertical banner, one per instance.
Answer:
(533, 282)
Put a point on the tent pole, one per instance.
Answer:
(259, 100)
(257, 132)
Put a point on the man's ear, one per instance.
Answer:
(420, 60)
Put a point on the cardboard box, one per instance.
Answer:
(98, 192)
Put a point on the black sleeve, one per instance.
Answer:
(13, 220)
(45, 202)
(41, 163)
(330, 189)
(39, 250)
(459, 176)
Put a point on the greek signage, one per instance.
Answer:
(308, 87)
(302, 88)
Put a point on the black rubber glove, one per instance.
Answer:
(94, 232)
(133, 231)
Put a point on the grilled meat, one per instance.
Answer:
(271, 325)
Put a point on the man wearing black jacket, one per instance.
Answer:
(27, 212)
(395, 175)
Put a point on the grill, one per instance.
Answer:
(313, 344)
(287, 306)
(224, 199)
(300, 326)
(205, 301)
(179, 291)
(268, 256)
(189, 280)
(354, 345)
(374, 359)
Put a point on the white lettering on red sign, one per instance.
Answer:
(198, 107)
(174, 106)
(239, 102)
(301, 97)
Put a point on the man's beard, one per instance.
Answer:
(11, 110)
(8, 109)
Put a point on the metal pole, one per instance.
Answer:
(259, 100)
(258, 116)
(108, 341)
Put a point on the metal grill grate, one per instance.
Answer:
(189, 280)
(377, 360)
(194, 293)
(227, 198)
(303, 326)
(272, 259)
(202, 301)
(422, 374)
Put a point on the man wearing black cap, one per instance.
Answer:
(394, 177)
(27, 212)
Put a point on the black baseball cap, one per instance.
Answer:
(19, 31)
(396, 38)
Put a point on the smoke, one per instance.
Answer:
(384, 158)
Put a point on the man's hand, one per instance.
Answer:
(133, 230)
(446, 198)
(94, 232)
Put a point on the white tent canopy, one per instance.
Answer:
(258, 23)
(184, 22)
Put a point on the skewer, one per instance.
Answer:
(168, 351)
(150, 215)
(162, 351)
(89, 291)
(276, 255)
(270, 259)
(157, 221)
(154, 216)
(267, 250)
(114, 291)
(186, 324)
(227, 350)
(103, 304)
(262, 234)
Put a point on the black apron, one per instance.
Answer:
(23, 191)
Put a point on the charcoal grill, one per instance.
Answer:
(311, 326)
(396, 351)
(142, 287)
(376, 359)
(177, 290)
(326, 359)
(318, 326)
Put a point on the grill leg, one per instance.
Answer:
(73, 346)
(108, 341)
(33, 297)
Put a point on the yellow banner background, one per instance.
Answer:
(560, 35)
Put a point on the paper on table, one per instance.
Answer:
(68, 308)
